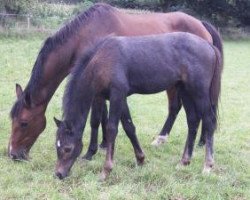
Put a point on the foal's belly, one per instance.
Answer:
(151, 86)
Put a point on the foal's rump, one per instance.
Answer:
(162, 60)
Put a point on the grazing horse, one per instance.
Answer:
(121, 66)
(59, 53)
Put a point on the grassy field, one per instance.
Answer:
(158, 178)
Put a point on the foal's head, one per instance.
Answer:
(68, 146)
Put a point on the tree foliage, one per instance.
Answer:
(17, 6)
(221, 12)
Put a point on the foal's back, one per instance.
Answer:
(150, 64)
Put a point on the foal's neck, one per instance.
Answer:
(77, 100)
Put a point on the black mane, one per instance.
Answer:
(71, 94)
(52, 42)
(60, 38)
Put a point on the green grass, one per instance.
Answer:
(158, 178)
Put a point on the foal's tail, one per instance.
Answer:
(215, 87)
(217, 40)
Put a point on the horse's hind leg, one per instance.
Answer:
(96, 115)
(103, 144)
(193, 120)
(129, 128)
(174, 106)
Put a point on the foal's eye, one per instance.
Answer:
(23, 124)
(67, 149)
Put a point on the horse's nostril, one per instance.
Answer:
(59, 175)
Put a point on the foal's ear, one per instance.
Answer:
(68, 125)
(57, 121)
(19, 91)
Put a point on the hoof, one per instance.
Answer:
(102, 177)
(180, 166)
(159, 140)
(185, 162)
(206, 170)
(140, 159)
(87, 157)
(201, 143)
(103, 145)
(103, 148)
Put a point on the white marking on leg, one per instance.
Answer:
(206, 170)
(160, 139)
(10, 148)
(58, 143)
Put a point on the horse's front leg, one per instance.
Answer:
(117, 100)
(174, 106)
(96, 115)
(103, 144)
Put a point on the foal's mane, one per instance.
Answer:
(59, 38)
(71, 100)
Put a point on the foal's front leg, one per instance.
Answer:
(129, 128)
(96, 115)
(117, 100)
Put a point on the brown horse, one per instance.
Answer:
(60, 51)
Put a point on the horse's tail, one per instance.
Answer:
(217, 40)
(215, 87)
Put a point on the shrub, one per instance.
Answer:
(17, 6)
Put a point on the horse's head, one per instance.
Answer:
(68, 147)
(28, 121)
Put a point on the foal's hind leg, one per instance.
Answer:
(209, 125)
(202, 140)
(129, 128)
(174, 106)
(193, 122)
(209, 120)
(96, 115)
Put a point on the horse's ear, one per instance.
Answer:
(57, 121)
(27, 99)
(19, 91)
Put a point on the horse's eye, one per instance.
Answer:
(67, 149)
(24, 124)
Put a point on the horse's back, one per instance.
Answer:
(156, 23)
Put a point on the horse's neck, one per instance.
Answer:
(60, 62)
